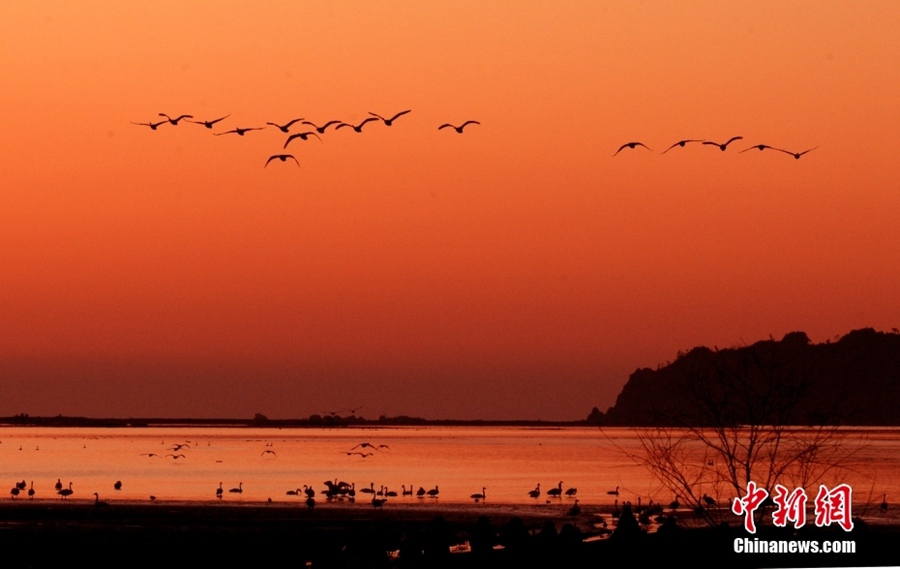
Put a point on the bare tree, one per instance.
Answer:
(734, 417)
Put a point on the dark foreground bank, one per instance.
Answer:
(44, 534)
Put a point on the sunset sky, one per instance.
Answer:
(518, 270)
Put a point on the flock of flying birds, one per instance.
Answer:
(721, 145)
(319, 130)
(285, 128)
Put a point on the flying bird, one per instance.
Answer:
(796, 155)
(175, 120)
(282, 157)
(321, 129)
(152, 125)
(209, 124)
(722, 147)
(390, 121)
(680, 143)
(759, 147)
(240, 131)
(285, 127)
(272, 452)
(459, 128)
(357, 128)
(301, 136)
(176, 456)
(631, 145)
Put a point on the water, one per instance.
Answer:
(509, 462)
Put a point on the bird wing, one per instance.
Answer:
(379, 116)
(445, 126)
(270, 159)
(400, 114)
(733, 138)
(288, 125)
(671, 147)
(290, 138)
(226, 132)
(810, 150)
(463, 125)
(184, 117)
(711, 142)
(365, 121)
(621, 148)
(298, 165)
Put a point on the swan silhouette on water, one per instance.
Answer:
(239, 489)
(571, 492)
(614, 492)
(59, 485)
(536, 492)
(66, 492)
(31, 491)
(575, 509)
(555, 492)
(480, 496)
(98, 503)
(433, 492)
(459, 128)
(219, 491)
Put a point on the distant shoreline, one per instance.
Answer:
(316, 421)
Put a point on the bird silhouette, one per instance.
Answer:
(371, 446)
(239, 489)
(759, 147)
(152, 125)
(357, 128)
(240, 131)
(378, 502)
(15, 491)
(175, 120)
(459, 128)
(58, 485)
(118, 485)
(884, 504)
(404, 491)
(479, 496)
(433, 492)
(709, 500)
(66, 492)
(571, 491)
(285, 127)
(631, 145)
(420, 493)
(321, 129)
(681, 143)
(614, 492)
(31, 491)
(209, 124)
(98, 503)
(575, 509)
(293, 492)
(176, 456)
(301, 136)
(390, 121)
(310, 502)
(555, 492)
(283, 158)
(219, 491)
(390, 493)
(722, 147)
(796, 155)
(536, 492)
(272, 452)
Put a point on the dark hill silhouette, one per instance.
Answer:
(853, 381)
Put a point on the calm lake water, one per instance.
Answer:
(509, 462)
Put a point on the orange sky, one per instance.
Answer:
(515, 271)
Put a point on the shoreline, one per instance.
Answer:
(359, 535)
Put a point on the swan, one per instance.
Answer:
(632, 145)
(459, 128)
(390, 121)
(722, 147)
